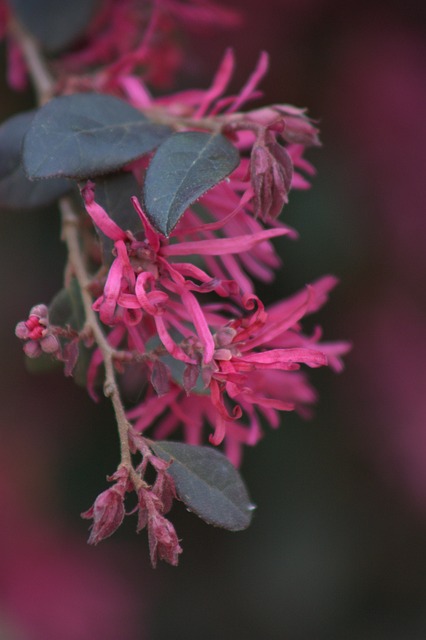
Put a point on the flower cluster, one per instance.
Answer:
(225, 359)
(168, 304)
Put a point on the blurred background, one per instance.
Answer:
(336, 548)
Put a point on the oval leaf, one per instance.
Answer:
(55, 23)
(208, 484)
(16, 191)
(184, 167)
(87, 134)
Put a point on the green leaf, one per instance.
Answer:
(113, 193)
(208, 484)
(54, 23)
(87, 134)
(66, 307)
(184, 167)
(16, 191)
(42, 365)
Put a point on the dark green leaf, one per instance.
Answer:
(184, 167)
(84, 358)
(54, 23)
(208, 484)
(113, 193)
(16, 191)
(87, 134)
(66, 307)
(42, 365)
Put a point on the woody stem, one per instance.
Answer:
(44, 84)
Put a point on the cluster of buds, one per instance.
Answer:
(38, 335)
(154, 501)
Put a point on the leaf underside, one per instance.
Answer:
(184, 167)
(208, 484)
(85, 135)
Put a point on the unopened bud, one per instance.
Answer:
(21, 331)
(32, 349)
(271, 171)
(49, 344)
(39, 310)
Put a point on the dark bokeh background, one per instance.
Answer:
(336, 549)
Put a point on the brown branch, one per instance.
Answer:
(44, 85)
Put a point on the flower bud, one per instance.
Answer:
(107, 513)
(39, 310)
(163, 540)
(271, 174)
(50, 344)
(32, 349)
(21, 331)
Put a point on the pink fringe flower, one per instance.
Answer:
(255, 370)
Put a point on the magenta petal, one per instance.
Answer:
(222, 246)
(99, 215)
(168, 341)
(111, 292)
(282, 358)
(219, 84)
(253, 81)
(200, 323)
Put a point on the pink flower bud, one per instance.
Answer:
(163, 540)
(271, 174)
(32, 349)
(298, 128)
(32, 322)
(40, 311)
(21, 331)
(49, 344)
(107, 513)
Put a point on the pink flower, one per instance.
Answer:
(143, 281)
(275, 135)
(254, 369)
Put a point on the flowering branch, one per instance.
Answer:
(70, 226)
(213, 180)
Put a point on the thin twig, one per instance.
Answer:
(43, 81)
